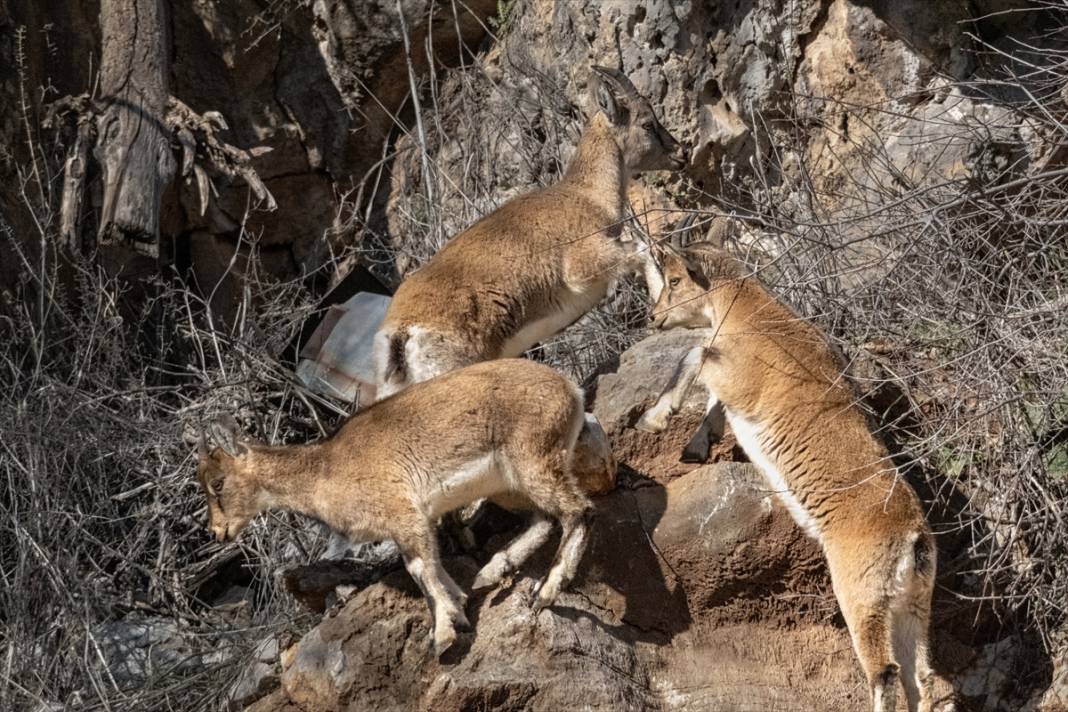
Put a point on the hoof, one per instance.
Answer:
(650, 423)
(694, 455)
(483, 582)
(544, 597)
(491, 574)
(460, 623)
(443, 642)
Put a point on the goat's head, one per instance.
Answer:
(681, 302)
(646, 144)
(223, 473)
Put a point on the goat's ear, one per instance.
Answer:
(215, 487)
(202, 443)
(609, 93)
(696, 274)
(671, 257)
(196, 437)
(678, 258)
(227, 433)
(606, 102)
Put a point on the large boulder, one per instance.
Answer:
(643, 372)
(683, 597)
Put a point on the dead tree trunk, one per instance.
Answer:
(133, 145)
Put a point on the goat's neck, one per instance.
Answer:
(290, 477)
(597, 168)
(737, 305)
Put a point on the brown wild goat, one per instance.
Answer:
(504, 427)
(536, 264)
(782, 389)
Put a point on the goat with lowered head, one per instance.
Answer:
(539, 262)
(782, 388)
(501, 428)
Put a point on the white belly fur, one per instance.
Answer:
(749, 437)
(574, 306)
(477, 479)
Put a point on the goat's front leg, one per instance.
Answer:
(710, 431)
(421, 560)
(638, 257)
(654, 278)
(670, 401)
(575, 530)
(512, 557)
(457, 593)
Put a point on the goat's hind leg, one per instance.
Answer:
(870, 627)
(910, 635)
(565, 565)
(512, 557)
(430, 354)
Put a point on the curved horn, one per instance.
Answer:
(618, 80)
(682, 230)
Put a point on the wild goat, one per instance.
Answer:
(782, 389)
(536, 264)
(392, 470)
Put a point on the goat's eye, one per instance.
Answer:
(215, 486)
(647, 126)
(674, 281)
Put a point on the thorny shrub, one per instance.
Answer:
(103, 382)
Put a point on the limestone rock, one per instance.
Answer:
(137, 649)
(259, 676)
(644, 371)
(664, 566)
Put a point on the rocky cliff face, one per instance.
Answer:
(655, 621)
(694, 585)
(766, 94)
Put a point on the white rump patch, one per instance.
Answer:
(906, 565)
(419, 353)
(750, 437)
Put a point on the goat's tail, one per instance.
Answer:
(915, 568)
(923, 555)
(396, 365)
